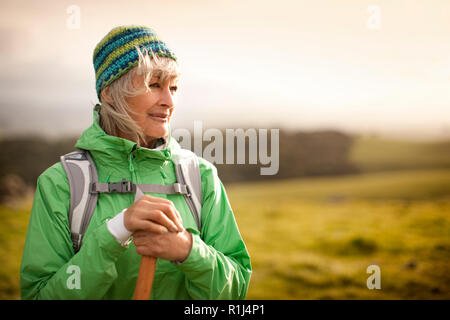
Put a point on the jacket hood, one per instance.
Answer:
(115, 149)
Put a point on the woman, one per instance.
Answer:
(136, 82)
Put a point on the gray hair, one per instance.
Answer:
(115, 112)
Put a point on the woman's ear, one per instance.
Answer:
(105, 96)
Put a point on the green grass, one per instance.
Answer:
(400, 185)
(314, 238)
(13, 228)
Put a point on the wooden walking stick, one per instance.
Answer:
(145, 278)
(147, 268)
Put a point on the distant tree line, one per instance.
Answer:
(300, 154)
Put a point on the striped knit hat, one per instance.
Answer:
(115, 54)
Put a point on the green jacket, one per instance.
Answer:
(218, 266)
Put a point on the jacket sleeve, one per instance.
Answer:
(49, 268)
(218, 266)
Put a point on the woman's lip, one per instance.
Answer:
(159, 117)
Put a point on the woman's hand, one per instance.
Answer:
(153, 214)
(158, 229)
(172, 246)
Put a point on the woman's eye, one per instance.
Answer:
(154, 85)
(174, 88)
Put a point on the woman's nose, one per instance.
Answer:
(167, 98)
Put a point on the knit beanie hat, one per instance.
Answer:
(116, 53)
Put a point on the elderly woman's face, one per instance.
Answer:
(154, 108)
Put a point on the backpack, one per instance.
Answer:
(85, 187)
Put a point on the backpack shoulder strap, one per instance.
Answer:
(82, 175)
(188, 172)
(81, 171)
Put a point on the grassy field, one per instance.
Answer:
(314, 238)
(13, 228)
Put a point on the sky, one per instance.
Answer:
(369, 67)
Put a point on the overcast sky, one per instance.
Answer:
(355, 65)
